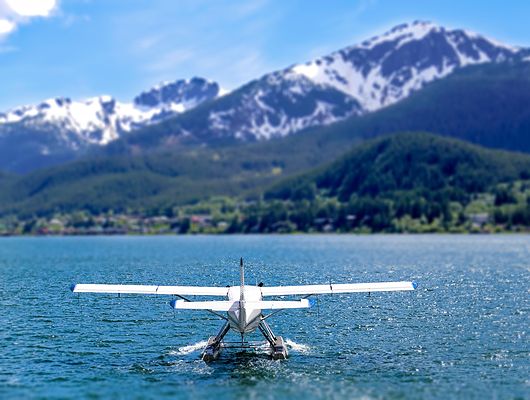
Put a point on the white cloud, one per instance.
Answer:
(32, 8)
(6, 26)
(16, 12)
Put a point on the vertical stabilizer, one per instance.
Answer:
(242, 277)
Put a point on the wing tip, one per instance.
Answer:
(414, 285)
(72, 287)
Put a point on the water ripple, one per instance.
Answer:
(462, 334)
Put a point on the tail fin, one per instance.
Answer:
(242, 277)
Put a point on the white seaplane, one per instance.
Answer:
(244, 305)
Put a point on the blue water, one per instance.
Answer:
(462, 334)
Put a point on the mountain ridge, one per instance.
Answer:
(354, 81)
(64, 128)
(384, 69)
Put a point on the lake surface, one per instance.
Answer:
(462, 334)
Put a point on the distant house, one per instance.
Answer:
(324, 224)
(222, 225)
(328, 228)
(162, 219)
(55, 226)
(479, 220)
(351, 217)
(56, 222)
(100, 220)
(202, 220)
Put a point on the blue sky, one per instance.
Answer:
(83, 48)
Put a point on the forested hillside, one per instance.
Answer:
(408, 182)
(402, 182)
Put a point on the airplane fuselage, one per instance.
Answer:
(244, 317)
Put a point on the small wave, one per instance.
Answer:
(190, 348)
(264, 347)
(302, 348)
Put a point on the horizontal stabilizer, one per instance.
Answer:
(222, 305)
(279, 305)
(337, 288)
(234, 305)
(150, 289)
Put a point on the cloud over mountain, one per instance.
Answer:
(16, 12)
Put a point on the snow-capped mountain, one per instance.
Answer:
(387, 68)
(60, 125)
(353, 81)
(356, 80)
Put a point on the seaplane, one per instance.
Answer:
(243, 308)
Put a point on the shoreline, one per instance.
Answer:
(499, 233)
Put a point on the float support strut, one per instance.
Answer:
(278, 347)
(213, 349)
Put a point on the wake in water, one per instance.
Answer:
(263, 348)
(190, 348)
(299, 347)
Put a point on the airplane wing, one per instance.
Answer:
(337, 288)
(150, 289)
(265, 291)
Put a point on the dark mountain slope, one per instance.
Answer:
(422, 163)
(486, 105)
(137, 183)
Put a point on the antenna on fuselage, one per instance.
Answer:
(242, 277)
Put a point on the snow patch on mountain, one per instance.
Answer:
(353, 81)
(400, 34)
(101, 120)
(274, 106)
(387, 68)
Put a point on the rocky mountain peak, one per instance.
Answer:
(187, 93)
